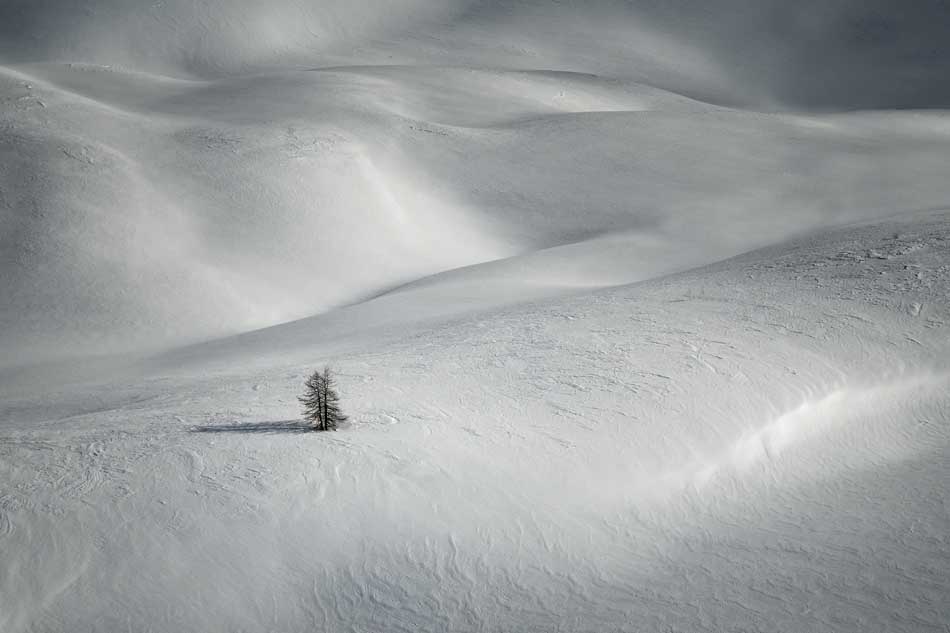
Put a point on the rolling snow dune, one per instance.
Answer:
(755, 444)
(207, 36)
(640, 311)
(256, 200)
(844, 54)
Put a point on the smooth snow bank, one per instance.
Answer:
(759, 444)
(203, 36)
(141, 212)
(810, 53)
(450, 202)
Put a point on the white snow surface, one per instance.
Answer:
(616, 357)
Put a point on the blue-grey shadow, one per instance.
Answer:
(281, 426)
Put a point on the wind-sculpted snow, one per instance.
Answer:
(760, 444)
(261, 199)
(846, 54)
(809, 422)
(203, 36)
(516, 230)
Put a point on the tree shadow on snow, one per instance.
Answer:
(281, 426)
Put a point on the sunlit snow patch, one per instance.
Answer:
(882, 409)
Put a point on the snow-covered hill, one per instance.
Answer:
(635, 334)
(812, 53)
(141, 212)
(759, 444)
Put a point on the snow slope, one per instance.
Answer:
(759, 444)
(256, 200)
(634, 334)
(179, 171)
(811, 53)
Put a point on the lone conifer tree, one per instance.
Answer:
(321, 404)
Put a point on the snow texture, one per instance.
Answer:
(632, 337)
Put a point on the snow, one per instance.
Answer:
(227, 188)
(756, 444)
(615, 358)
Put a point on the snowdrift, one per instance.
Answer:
(813, 54)
(180, 171)
(142, 212)
(634, 333)
(759, 444)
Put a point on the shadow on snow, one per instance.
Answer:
(281, 426)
